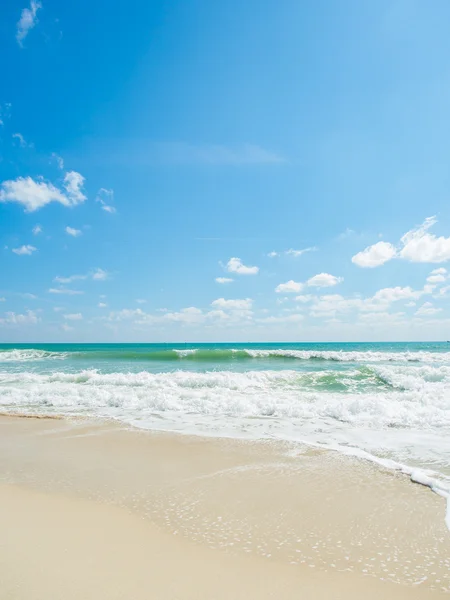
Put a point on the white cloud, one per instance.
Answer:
(374, 256)
(292, 252)
(21, 140)
(304, 299)
(66, 291)
(106, 197)
(73, 232)
(70, 278)
(12, 318)
(37, 229)
(2, 299)
(73, 317)
(416, 245)
(34, 195)
(396, 293)
(27, 21)
(102, 305)
(235, 265)
(427, 309)
(27, 249)
(324, 280)
(66, 327)
(58, 308)
(100, 275)
(223, 280)
(437, 276)
(73, 182)
(295, 318)
(59, 160)
(289, 287)
(29, 296)
(96, 275)
(410, 304)
(186, 315)
(141, 301)
(244, 304)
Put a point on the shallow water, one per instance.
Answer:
(390, 400)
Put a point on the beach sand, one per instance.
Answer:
(93, 510)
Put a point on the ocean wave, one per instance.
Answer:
(218, 355)
(286, 394)
(30, 354)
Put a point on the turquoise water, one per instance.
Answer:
(384, 401)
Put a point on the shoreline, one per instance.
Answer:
(312, 513)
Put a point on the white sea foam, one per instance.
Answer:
(31, 354)
(391, 413)
(357, 356)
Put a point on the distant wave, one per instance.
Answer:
(228, 355)
(26, 355)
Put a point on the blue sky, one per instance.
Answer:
(151, 151)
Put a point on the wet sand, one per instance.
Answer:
(92, 510)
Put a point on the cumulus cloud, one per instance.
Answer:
(12, 318)
(223, 280)
(26, 249)
(141, 301)
(235, 265)
(66, 327)
(37, 229)
(394, 294)
(437, 276)
(416, 245)
(28, 20)
(73, 232)
(33, 195)
(102, 305)
(100, 275)
(324, 280)
(374, 256)
(289, 287)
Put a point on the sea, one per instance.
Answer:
(384, 402)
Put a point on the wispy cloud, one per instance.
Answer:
(291, 252)
(27, 21)
(65, 291)
(21, 141)
(106, 198)
(37, 229)
(95, 274)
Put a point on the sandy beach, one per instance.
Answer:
(94, 510)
